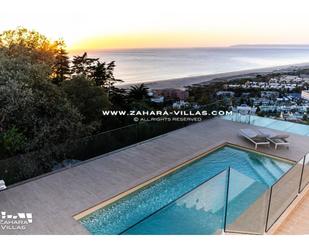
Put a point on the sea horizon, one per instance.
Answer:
(141, 65)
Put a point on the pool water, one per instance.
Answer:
(280, 125)
(183, 203)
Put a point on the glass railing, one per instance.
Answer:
(283, 193)
(199, 211)
(253, 208)
(247, 204)
(31, 164)
(230, 202)
(305, 174)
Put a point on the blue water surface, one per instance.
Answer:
(181, 203)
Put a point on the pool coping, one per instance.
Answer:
(88, 211)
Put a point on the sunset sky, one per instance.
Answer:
(101, 24)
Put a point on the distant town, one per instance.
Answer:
(283, 95)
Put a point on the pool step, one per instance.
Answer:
(283, 168)
(266, 176)
(274, 170)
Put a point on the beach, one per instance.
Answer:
(181, 83)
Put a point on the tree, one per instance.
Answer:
(37, 49)
(22, 70)
(88, 98)
(103, 75)
(138, 92)
(33, 105)
(61, 67)
(11, 142)
(41, 103)
(28, 43)
(83, 66)
(118, 98)
(100, 72)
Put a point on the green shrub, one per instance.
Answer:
(11, 142)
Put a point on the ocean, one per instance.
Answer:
(142, 65)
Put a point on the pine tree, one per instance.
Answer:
(100, 72)
(61, 67)
(83, 65)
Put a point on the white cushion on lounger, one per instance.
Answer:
(252, 133)
(273, 134)
(2, 185)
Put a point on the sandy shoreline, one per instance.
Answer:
(205, 79)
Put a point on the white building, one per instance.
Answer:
(227, 94)
(305, 95)
(157, 99)
(180, 104)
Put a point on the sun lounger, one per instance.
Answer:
(2, 185)
(276, 138)
(255, 137)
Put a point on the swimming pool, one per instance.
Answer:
(183, 203)
(300, 129)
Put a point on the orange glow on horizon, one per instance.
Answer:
(141, 40)
(159, 40)
(120, 24)
(171, 40)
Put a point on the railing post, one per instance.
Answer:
(226, 197)
(268, 208)
(301, 175)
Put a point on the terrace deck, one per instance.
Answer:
(297, 222)
(55, 198)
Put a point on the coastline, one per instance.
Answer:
(181, 83)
